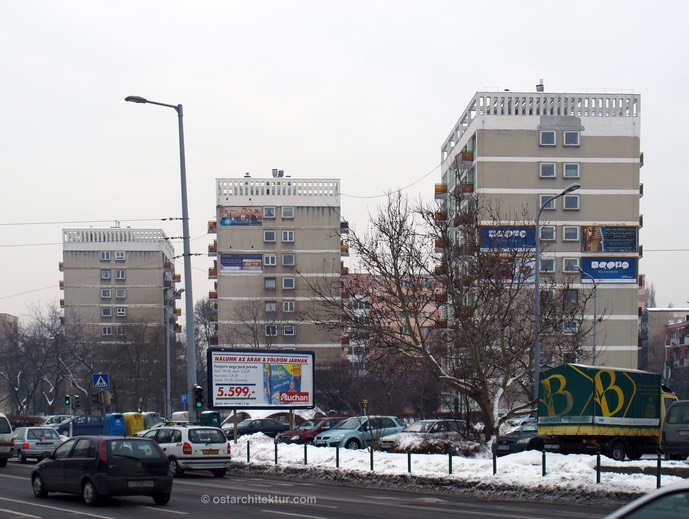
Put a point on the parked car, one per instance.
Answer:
(267, 426)
(33, 442)
(154, 427)
(524, 438)
(359, 431)
(194, 447)
(96, 466)
(86, 424)
(424, 431)
(54, 420)
(5, 439)
(667, 501)
(307, 431)
(675, 442)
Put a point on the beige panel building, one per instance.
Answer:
(277, 239)
(117, 277)
(518, 149)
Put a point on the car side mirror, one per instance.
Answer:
(47, 454)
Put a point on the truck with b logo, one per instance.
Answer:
(597, 409)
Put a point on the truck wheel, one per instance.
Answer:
(634, 455)
(617, 451)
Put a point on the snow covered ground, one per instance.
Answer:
(568, 478)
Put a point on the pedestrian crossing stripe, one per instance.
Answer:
(101, 383)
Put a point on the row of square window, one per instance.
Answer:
(269, 212)
(549, 170)
(270, 236)
(288, 330)
(569, 202)
(549, 138)
(106, 311)
(106, 331)
(272, 306)
(106, 293)
(107, 274)
(549, 233)
(270, 260)
(272, 283)
(120, 255)
(568, 264)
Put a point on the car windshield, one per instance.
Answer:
(206, 436)
(308, 425)
(349, 424)
(136, 448)
(245, 423)
(421, 426)
(529, 427)
(47, 433)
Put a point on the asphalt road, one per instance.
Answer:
(201, 495)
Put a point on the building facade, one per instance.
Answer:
(115, 278)
(277, 259)
(516, 150)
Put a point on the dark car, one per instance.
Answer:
(524, 438)
(432, 435)
(307, 431)
(96, 466)
(267, 426)
(82, 425)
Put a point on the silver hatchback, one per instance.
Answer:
(33, 442)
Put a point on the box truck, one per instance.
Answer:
(617, 412)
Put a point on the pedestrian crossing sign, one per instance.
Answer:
(101, 381)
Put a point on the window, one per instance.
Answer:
(268, 236)
(271, 330)
(547, 233)
(268, 212)
(270, 260)
(571, 295)
(105, 255)
(271, 306)
(106, 330)
(570, 264)
(288, 306)
(121, 311)
(288, 330)
(288, 283)
(270, 283)
(287, 236)
(550, 205)
(570, 170)
(570, 233)
(120, 274)
(288, 260)
(120, 293)
(288, 212)
(547, 170)
(120, 255)
(571, 202)
(571, 138)
(105, 273)
(547, 138)
(547, 296)
(106, 311)
(569, 327)
(105, 293)
(547, 264)
(121, 330)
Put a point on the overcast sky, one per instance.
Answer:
(363, 91)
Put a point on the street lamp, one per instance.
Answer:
(537, 287)
(188, 299)
(168, 377)
(595, 310)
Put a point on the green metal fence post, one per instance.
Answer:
(598, 467)
(337, 457)
(276, 453)
(248, 452)
(409, 460)
(371, 450)
(450, 459)
(658, 472)
(495, 460)
(305, 454)
(543, 463)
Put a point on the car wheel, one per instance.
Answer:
(3, 462)
(21, 457)
(175, 469)
(90, 494)
(352, 444)
(39, 489)
(161, 499)
(218, 473)
(617, 451)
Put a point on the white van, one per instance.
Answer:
(5, 439)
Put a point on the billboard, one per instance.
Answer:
(260, 379)
(500, 237)
(610, 238)
(240, 216)
(248, 263)
(614, 269)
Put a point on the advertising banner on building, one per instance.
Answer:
(610, 269)
(610, 238)
(260, 379)
(501, 237)
(246, 263)
(240, 216)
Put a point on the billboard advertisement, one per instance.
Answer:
(610, 269)
(248, 263)
(260, 379)
(240, 216)
(610, 238)
(500, 237)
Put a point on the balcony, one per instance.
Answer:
(345, 341)
(62, 303)
(344, 271)
(178, 311)
(212, 295)
(344, 227)
(463, 189)
(641, 190)
(167, 265)
(344, 318)
(641, 159)
(440, 216)
(344, 249)
(178, 328)
(466, 156)
(176, 278)
(214, 318)
(62, 266)
(641, 220)
(344, 294)
(441, 324)
(440, 191)
(464, 218)
(212, 273)
(213, 249)
(440, 270)
(62, 285)
(439, 246)
(440, 297)
(212, 227)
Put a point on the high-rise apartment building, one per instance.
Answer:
(278, 255)
(519, 149)
(115, 278)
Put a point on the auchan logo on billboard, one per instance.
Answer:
(294, 397)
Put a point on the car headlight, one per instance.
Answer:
(295, 437)
(337, 437)
(523, 442)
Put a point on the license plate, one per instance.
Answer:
(684, 433)
(140, 484)
(210, 451)
(503, 447)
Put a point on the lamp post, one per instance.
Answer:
(188, 299)
(537, 287)
(595, 310)
(168, 376)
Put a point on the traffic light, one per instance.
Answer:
(198, 397)
(77, 402)
(68, 400)
(105, 395)
(94, 398)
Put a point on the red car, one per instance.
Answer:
(307, 431)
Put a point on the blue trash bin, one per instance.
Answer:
(114, 423)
